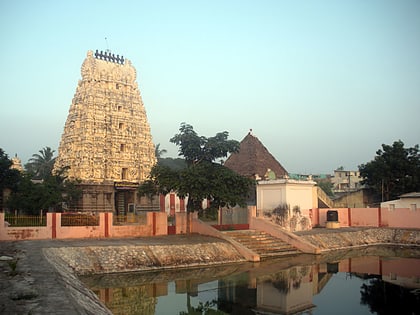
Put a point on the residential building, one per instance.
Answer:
(409, 200)
(345, 181)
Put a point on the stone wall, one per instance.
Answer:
(327, 240)
(112, 259)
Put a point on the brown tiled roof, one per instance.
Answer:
(254, 158)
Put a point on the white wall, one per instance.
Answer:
(401, 203)
(272, 193)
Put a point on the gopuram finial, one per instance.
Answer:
(107, 56)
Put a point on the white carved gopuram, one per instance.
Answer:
(106, 136)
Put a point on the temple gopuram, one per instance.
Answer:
(107, 143)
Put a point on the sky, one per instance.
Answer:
(322, 84)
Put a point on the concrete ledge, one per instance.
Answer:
(332, 225)
(85, 301)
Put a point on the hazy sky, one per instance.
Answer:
(322, 83)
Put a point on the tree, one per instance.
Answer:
(9, 178)
(41, 165)
(172, 163)
(395, 170)
(385, 298)
(159, 152)
(28, 196)
(202, 177)
(49, 194)
(175, 164)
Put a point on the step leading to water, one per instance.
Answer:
(262, 243)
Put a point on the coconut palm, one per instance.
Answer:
(159, 152)
(41, 164)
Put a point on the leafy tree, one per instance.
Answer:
(9, 178)
(28, 196)
(32, 196)
(207, 308)
(175, 164)
(202, 177)
(41, 165)
(395, 170)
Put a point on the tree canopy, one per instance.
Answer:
(395, 170)
(202, 177)
(175, 164)
(8, 177)
(32, 196)
(41, 165)
(29, 196)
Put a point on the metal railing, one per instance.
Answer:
(79, 219)
(73, 219)
(13, 220)
(131, 218)
(90, 209)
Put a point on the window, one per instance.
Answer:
(117, 86)
(122, 147)
(120, 125)
(119, 108)
(391, 207)
(413, 207)
(124, 172)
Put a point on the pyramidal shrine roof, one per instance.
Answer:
(253, 159)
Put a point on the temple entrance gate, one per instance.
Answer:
(125, 198)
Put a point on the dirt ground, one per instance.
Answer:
(17, 291)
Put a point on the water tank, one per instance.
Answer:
(332, 216)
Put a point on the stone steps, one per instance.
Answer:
(262, 243)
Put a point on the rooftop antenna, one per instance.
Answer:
(107, 47)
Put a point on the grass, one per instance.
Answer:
(13, 266)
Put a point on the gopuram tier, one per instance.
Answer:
(107, 142)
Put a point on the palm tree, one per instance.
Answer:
(159, 152)
(41, 164)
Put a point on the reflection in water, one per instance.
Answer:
(384, 297)
(350, 283)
